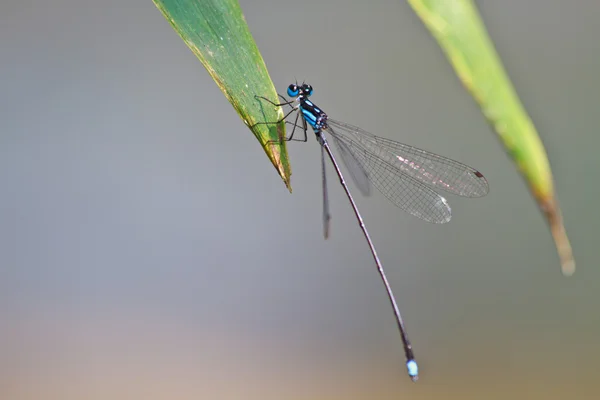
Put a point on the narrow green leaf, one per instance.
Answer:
(217, 33)
(458, 28)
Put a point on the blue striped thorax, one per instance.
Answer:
(312, 114)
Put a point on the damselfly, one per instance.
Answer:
(404, 174)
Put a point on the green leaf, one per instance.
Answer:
(217, 33)
(460, 32)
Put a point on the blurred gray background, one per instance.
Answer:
(148, 248)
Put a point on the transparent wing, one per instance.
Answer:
(403, 190)
(354, 167)
(428, 168)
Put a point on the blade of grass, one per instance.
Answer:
(217, 33)
(460, 32)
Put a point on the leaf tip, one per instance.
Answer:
(559, 233)
(568, 268)
(278, 155)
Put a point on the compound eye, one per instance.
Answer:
(292, 90)
(308, 89)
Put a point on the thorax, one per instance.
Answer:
(312, 114)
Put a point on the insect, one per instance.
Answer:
(404, 174)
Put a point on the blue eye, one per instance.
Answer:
(306, 89)
(293, 91)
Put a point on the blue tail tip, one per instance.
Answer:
(413, 370)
